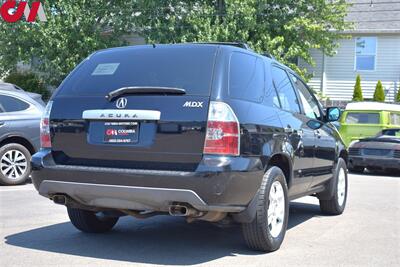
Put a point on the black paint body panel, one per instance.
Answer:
(175, 143)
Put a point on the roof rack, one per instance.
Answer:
(237, 44)
(371, 105)
(266, 54)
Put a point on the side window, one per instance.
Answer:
(246, 77)
(271, 98)
(309, 103)
(12, 104)
(362, 118)
(286, 93)
(395, 118)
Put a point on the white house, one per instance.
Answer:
(373, 51)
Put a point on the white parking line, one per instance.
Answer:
(27, 187)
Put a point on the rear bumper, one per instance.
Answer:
(218, 184)
(381, 163)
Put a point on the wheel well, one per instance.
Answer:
(343, 154)
(283, 163)
(19, 140)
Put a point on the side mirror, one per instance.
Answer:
(314, 124)
(333, 114)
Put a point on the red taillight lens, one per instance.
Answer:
(45, 138)
(222, 136)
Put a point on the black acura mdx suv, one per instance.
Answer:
(205, 131)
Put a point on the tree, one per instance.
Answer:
(74, 30)
(284, 28)
(398, 95)
(357, 93)
(379, 94)
(29, 82)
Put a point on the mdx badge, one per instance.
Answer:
(122, 102)
(193, 104)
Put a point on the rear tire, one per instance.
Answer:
(267, 230)
(336, 204)
(15, 166)
(91, 222)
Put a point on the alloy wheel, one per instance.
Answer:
(13, 164)
(341, 187)
(276, 209)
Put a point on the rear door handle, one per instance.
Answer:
(299, 132)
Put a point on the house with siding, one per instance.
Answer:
(373, 52)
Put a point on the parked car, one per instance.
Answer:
(13, 87)
(379, 153)
(20, 116)
(204, 131)
(366, 119)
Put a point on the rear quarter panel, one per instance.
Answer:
(27, 128)
(261, 129)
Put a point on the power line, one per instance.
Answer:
(374, 11)
(372, 21)
(369, 3)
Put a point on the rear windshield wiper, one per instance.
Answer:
(145, 90)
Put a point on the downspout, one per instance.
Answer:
(323, 75)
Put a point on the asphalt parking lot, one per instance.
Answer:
(35, 232)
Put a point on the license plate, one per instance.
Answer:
(121, 132)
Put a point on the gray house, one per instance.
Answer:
(373, 52)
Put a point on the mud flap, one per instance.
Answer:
(248, 215)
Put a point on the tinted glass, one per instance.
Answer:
(395, 119)
(391, 132)
(187, 67)
(271, 98)
(12, 104)
(310, 105)
(285, 90)
(363, 118)
(246, 77)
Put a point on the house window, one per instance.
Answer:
(365, 53)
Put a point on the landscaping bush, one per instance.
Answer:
(398, 95)
(379, 94)
(357, 93)
(28, 81)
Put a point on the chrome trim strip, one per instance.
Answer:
(116, 114)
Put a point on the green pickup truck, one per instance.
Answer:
(366, 119)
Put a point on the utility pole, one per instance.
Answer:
(220, 7)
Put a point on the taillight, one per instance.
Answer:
(45, 138)
(223, 130)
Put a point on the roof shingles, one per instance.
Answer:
(376, 16)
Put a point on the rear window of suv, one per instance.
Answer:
(189, 68)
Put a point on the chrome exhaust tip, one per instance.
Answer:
(178, 211)
(60, 200)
